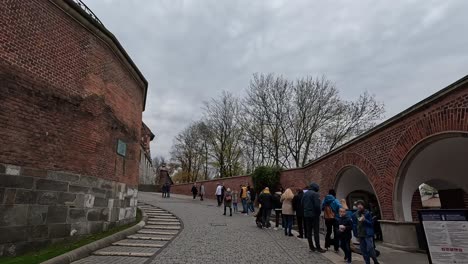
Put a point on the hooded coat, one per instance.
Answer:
(331, 201)
(311, 201)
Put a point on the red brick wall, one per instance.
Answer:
(210, 186)
(381, 155)
(65, 96)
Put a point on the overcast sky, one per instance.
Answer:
(189, 51)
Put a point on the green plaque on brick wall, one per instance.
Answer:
(121, 148)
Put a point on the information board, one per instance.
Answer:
(446, 233)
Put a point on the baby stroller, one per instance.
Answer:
(258, 218)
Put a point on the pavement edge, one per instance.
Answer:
(86, 250)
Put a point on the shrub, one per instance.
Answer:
(266, 176)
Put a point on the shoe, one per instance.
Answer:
(224, 214)
(290, 235)
(313, 249)
(300, 236)
(320, 250)
(230, 215)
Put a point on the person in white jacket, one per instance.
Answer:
(219, 194)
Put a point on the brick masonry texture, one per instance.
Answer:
(34, 212)
(66, 98)
(67, 95)
(380, 155)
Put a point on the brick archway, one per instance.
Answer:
(351, 159)
(423, 132)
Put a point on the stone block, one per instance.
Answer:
(25, 197)
(13, 170)
(38, 231)
(105, 215)
(34, 172)
(129, 213)
(121, 213)
(126, 202)
(16, 215)
(100, 202)
(12, 181)
(2, 194)
(94, 227)
(37, 214)
(13, 234)
(59, 230)
(51, 185)
(89, 201)
(66, 198)
(114, 214)
(57, 214)
(10, 196)
(63, 176)
(80, 200)
(110, 203)
(89, 181)
(47, 197)
(99, 192)
(2, 170)
(80, 227)
(78, 189)
(76, 215)
(106, 185)
(94, 214)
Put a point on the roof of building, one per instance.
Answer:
(452, 87)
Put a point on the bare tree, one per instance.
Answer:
(221, 118)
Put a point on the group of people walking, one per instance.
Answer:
(339, 220)
(305, 205)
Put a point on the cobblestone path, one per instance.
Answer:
(160, 228)
(210, 237)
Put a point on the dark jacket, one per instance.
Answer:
(297, 203)
(277, 201)
(368, 224)
(266, 200)
(253, 195)
(194, 190)
(348, 223)
(311, 201)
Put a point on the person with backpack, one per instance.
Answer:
(287, 211)
(235, 200)
(345, 226)
(252, 196)
(228, 201)
(202, 191)
(363, 228)
(243, 195)
(312, 211)
(194, 191)
(299, 209)
(266, 202)
(330, 207)
(219, 194)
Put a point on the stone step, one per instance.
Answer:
(167, 220)
(163, 217)
(162, 227)
(162, 223)
(146, 237)
(122, 254)
(124, 244)
(159, 214)
(152, 232)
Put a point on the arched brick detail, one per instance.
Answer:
(348, 159)
(431, 127)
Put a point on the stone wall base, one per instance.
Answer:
(38, 207)
(400, 235)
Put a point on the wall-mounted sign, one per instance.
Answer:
(121, 148)
(446, 233)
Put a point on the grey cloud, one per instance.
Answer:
(401, 51)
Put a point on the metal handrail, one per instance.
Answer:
(88, 11)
